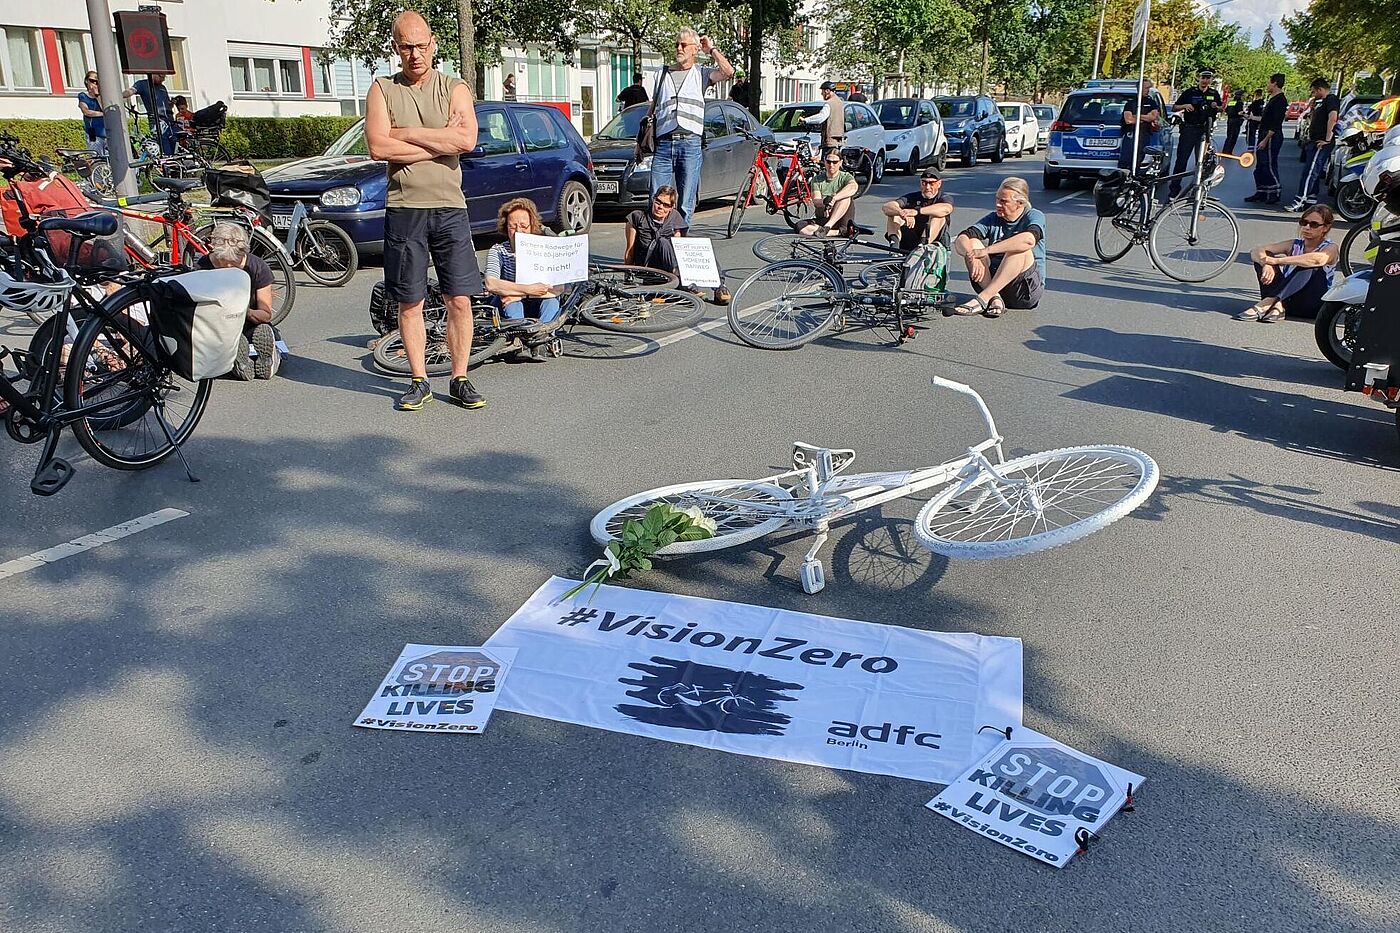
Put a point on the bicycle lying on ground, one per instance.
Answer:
(1192, 238)
(94, 363)
(806, 290)
(985, 509)
(619, 298)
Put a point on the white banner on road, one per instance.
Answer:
(1035, 795)
(438, 688)
(695, 261)
(551, 260)
(759, 681)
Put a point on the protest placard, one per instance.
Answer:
(1036, 795)
(439, 688)
(695, 261)
(551, 260)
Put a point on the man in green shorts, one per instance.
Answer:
(834, 195)
(420, 121)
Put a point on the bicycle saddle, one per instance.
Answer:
(176, 185)
(96, 223)
(858, 230)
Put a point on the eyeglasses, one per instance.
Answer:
(929, 181)
(1312, 223)
(833, 161)
(682, 45)
(406, 49)
(89, 80)
(666, 204)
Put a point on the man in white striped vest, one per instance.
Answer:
(680, 118)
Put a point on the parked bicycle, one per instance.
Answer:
(321, 249)
(619, 298)
(97, 368)
(981, 508)
(785, 187)
(181, 243)
(813, 285)
(1191, 238)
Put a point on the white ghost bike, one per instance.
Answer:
(1004, 508)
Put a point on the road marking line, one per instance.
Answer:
(682, 334)
(88, 542)
(1068, 197)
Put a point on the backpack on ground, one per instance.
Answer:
(926, 270)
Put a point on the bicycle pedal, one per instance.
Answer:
(51, 477)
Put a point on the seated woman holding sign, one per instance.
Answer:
(649, 234)
(516, 216)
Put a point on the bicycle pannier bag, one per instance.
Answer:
(212, 117)
(926, 269)
(1109, 196)
(198, 318)
(238, 184)
(57, 193)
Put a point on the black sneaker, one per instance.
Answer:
(1256, 197)
(463, 393)
(243, 369)
(419, 394)
(265, 342)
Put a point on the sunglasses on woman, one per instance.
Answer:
(1311, 223)
(666, 204)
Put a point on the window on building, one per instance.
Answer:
(263, 81)
(270, 70)
(73, 57)
(546, 77)
(289, 75)
(238, 75)
(807, 90)
(321, 79)
(787, 91)
(21, 67)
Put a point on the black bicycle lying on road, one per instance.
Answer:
(620, 298)
(94, 364)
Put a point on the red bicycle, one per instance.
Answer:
(796, 167)
(182, 243)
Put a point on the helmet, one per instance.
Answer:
(39, 300)
(1381, 180)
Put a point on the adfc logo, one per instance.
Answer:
(686, 695)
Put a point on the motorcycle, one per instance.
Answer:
(1360, 147)
(1336, 325)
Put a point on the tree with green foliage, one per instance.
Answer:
(634, 23)
(1334, 37)
(761, 25)
(1267, 44)
(361, 30)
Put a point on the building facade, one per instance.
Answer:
(265, 58)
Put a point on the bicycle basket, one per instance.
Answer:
(1110, 196)
(95, 254)
(238, 184)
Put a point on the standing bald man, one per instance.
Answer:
(420, 121)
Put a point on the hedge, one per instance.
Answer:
(253, 137)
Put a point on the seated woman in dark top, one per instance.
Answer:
(649, 232)
(1294, 274)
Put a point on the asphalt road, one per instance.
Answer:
(176, 719)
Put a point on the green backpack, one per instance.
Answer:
(926, 270)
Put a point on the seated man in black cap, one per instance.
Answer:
(920, 216)
(1198, 107)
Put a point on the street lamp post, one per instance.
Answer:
(1098, 42)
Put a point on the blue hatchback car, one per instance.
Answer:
(523, 150)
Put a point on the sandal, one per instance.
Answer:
(973, 305)
(1273, 317)
(995, 308)
(1252, 313)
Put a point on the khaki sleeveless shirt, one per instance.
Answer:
(835, 126)
(436, 182)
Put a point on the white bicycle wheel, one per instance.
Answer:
(746, 512)
(1081, 489)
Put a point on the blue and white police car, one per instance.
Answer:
(1086, 136)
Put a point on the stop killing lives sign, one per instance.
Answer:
(1037, 796)
(438, 688)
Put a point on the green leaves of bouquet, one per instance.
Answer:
(662, 525)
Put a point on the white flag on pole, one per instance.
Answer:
(1140, 18)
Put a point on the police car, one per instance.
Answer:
(1086, 136)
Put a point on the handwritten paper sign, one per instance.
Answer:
(552, 260)
(695, 261)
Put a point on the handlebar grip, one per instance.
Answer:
(950, 384)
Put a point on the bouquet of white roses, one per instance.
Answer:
(663, 524)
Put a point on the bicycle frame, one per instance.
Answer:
(796, 178)
(174, 230)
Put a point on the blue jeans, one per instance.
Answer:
(1266, 169)
(546, 309)
(677, 162)
(1319, 155)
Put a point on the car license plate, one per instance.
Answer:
(282, 221)
(607, 187)
(1099, 143)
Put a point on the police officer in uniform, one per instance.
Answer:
(1198, 107)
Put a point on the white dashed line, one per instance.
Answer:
(88, 542)
(1069, 196)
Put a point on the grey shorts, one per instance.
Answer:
(412, 235)
(1021, 293)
